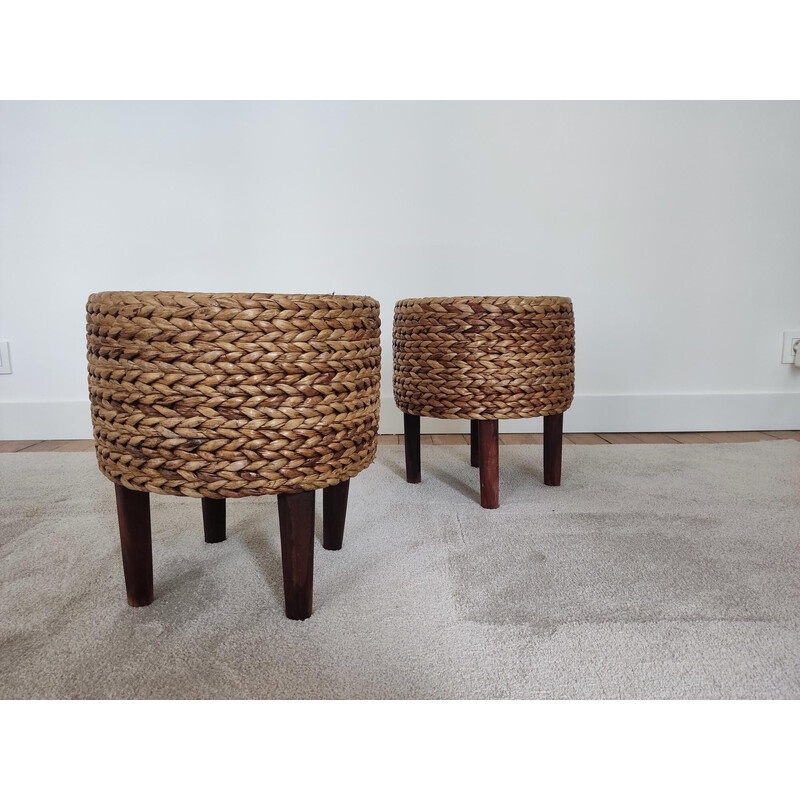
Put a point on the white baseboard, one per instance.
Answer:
(642, 413)
(589, 413)
(68, 419)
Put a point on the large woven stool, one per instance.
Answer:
(219, 396)
(484, 359)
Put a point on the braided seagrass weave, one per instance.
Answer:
(484, 357)
(233, 395)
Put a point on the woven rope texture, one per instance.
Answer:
(233, 395)
(484, 357)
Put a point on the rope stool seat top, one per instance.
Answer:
(484, 357)
(233, 395)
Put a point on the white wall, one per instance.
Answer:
(675, 228)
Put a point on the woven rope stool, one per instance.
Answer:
(484, 359)
(219, 396)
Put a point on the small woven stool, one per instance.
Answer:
(219, 396)
(484, 359)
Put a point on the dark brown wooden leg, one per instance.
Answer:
(334, 511)
(411, 430)
(213, 519)
(489, 463)
(474, 442)
(296, 516)
(553, 427)
(133, 512)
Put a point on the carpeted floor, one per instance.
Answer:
(655, 571)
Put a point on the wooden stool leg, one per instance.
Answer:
(411, 430)
(334, 511)
(296, 515)
(213, 519)
(553, 428)
(133, 512)
(474, 442)
(489, 463)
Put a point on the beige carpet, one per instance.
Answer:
(655, 571)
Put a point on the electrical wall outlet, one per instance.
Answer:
(5, 359)
(790, 341)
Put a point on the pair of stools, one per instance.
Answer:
(220, 396)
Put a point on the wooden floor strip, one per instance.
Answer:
(706, 437)
(448, 438)
(16, 446)
(584, 438)
(655, 438)
(620, 438)
(47, 446)
(76, 446)
(521, 438)
(731, 437)
(691, 438)
(784, 434)
(61, 446)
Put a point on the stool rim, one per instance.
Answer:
(198, 297)
(492, 299)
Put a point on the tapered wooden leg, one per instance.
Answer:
(334, 511)
(489, 463)
(133, 512)
(213, 519)
(474, 442)
(296, 516)
(553, 428)
(411, 430)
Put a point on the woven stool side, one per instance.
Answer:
(484, 357)
(233, 395)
